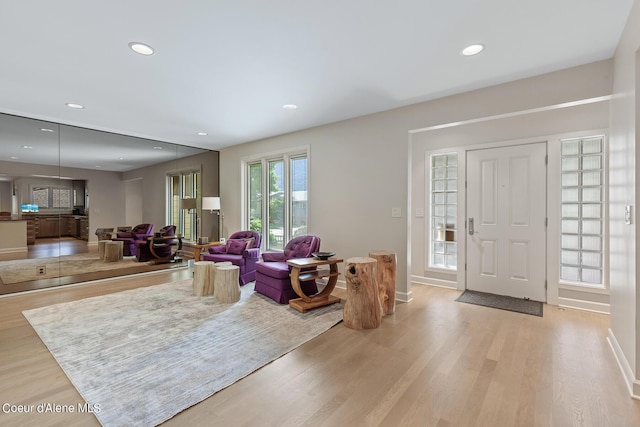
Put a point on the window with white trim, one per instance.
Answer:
(184, 185)
(443, 248)
(583, 209)
(276, 197)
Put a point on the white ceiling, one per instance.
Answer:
(227, 67)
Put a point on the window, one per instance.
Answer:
(52, 197)
(582, 222)
(282, 213)
(444, 205)
(184, 185)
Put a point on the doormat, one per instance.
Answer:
(502, 302)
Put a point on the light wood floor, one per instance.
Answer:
(435, 362)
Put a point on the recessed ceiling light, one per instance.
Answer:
(120, 158)
(289, 106)
(14, 158)
(46, 130)
(203, 133)
(473, 49)
(98, 166)
(141, 48)
(76, 106)
(28, 147)
(157, 148)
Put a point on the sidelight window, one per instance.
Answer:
(583, 210)
(443, 198)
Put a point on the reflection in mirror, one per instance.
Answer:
(64, 198)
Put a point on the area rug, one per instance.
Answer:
(24, 270)
(144, 355)
(502, 302)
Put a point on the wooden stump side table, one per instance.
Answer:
(298, 274)
(227, 288)
(203, 278)
(362, 310)
(386, 276)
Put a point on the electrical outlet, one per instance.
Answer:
(41, 270)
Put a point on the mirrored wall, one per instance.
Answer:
(60, 185)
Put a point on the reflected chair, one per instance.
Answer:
(129, 238)
(104, 233)
(272, 273)
(160, 247)
(242, 249)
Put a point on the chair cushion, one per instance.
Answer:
(273, 256)
(279, 270)
(236, 246)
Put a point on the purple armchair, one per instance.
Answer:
(162, 248)
(242, 249)
(272, 273)
(139, 232)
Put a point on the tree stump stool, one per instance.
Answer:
(227, 287)
(203, 278)
(362, 310)
(101, 244)
(112, 252)
(386, 275)
(120, 250)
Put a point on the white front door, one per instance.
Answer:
(506, 221)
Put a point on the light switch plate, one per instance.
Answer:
(396, 212)
(627, 214)
(419, 213)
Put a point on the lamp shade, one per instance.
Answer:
(211, 203)
(187, 203)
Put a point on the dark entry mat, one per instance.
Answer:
(502, 302)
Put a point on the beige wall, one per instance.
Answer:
(5, 196)
(625, 302)
(359, 168)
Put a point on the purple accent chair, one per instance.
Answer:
(242, 249)
(163, 249)
(272, 273)
(139, 232)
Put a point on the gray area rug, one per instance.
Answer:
(502, 302)
(146, 354)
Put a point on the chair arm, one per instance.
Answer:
(273, 256)
(251, 253)
(220, 249)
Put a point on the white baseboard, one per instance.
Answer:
(633, 385)
(420, 280)
(400, 296)
(20, 249)
(596, 307)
